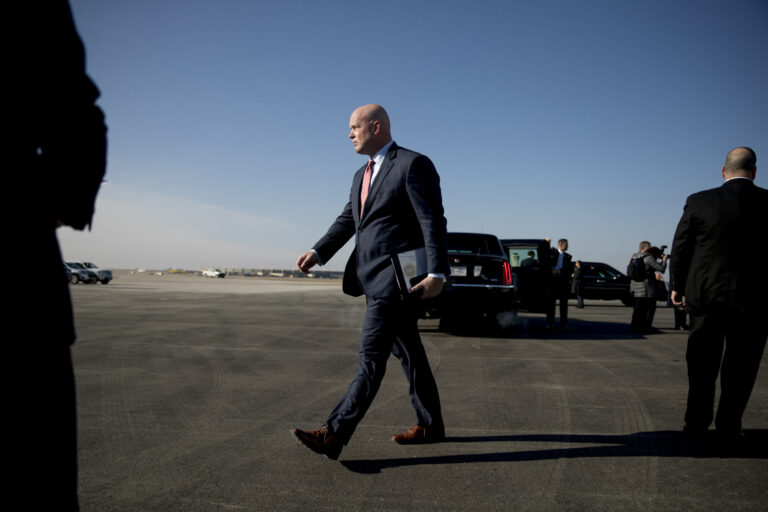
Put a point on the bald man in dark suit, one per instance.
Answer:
(717, 271)
(395, 205)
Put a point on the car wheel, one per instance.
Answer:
(104, 281)
(74, 279)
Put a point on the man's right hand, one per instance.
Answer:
(306, 261)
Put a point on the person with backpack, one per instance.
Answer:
(642, 270)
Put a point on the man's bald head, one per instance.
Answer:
(369, 129)
(740, 163)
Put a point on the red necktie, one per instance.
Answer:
(366, 185)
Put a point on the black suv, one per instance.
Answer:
(480, 283)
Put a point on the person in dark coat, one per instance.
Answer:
(56, 144)
(557, 266)
(577, 284)
(718, 247)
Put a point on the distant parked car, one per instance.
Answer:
(213, 272)
(80, 274)
(105, 276)
(602, 281)
(480, 284)
(67, 272)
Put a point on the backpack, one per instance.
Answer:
(636, 270)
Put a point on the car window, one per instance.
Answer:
(601, 272)
(468, 243)
(522, 256)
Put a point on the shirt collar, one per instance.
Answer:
(378, 158)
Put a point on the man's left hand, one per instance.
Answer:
(676, 299)
(430, 287)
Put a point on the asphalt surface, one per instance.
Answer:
(188, 386)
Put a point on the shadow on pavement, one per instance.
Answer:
(535, 328)
(664, 443)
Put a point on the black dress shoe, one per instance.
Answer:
(420, 435)
(320, 441)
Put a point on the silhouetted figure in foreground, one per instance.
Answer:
(718, 247)
(56, 143)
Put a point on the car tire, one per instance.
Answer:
(105, 281)
(74, 279)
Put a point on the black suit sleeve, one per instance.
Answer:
(545, 255)
(682, 250)
(337, 235)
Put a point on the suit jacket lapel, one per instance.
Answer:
(386, 166)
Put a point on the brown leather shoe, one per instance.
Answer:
(420, 435)
(320, 441)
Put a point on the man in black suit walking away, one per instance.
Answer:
(395, 205)
(718, 246)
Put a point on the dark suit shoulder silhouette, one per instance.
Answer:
(57, 150)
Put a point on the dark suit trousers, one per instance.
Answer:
(744, 339)
(42, 428)
(558, 292)
(643, 311)
(389, 327)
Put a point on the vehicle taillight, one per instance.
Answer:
(507, 274)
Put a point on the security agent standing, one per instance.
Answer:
(718, 241)
(556, 263)
(577, 286)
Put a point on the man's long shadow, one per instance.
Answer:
(662, 443)
(535, 328)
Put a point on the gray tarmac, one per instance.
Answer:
(187, 388)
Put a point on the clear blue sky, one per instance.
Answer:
(590, 120)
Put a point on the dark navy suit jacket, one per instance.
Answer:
(404, 211)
